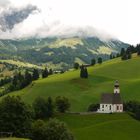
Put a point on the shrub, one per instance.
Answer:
(62, 104)
(53, 130)
(43, 108)
(15, 116)
(93, 107)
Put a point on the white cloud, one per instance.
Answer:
(120, 18)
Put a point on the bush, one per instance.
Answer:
(43, 108)
(15, 116)
(53, 130)
(76, 65)
(93, 107)
(57, 130)
(62, 104)
(38, 130)
(134, 108)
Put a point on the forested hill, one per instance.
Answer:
(61, 52)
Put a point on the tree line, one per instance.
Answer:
(93, 62)
(27, 121)
(126, 54)
(21, 80)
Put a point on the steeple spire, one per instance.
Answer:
(116, 87)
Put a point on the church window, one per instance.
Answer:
(110, 107)
(117, 107)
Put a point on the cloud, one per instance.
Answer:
(13, 16)
(4, 3)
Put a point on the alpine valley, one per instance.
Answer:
(59, 52)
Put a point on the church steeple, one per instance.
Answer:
(116, 87)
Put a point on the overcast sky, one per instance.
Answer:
(105, 18)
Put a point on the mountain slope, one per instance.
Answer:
(59, 51)
(82, 92)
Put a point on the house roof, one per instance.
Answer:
(108, 98)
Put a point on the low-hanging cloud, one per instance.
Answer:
(13, 16)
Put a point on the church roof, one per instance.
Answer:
(108, 98)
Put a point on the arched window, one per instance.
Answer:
(110, 107)
(117, 107)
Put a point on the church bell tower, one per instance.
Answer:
(116, 87)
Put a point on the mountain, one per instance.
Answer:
(59, 52)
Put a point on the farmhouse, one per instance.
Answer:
(111, 102)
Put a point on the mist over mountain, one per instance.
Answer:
(12, 16)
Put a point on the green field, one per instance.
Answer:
(82, 92)
(12, 139)
(103, 126)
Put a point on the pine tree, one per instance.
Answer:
(122, 51)
(111, 57)
(82, 71)
(50, 107)
(50, 71)
(76, 65)
(35, 74)
(138, 50)
(129, 56)
(118, 55)
(85, 73)
(100, 60)
(45, 73)
(93, 61)
(28, 78)
(124, 57)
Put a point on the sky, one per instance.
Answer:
(102, 18)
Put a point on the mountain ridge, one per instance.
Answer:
(56, 50)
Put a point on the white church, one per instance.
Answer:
(111, 102)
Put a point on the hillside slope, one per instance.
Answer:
(62, 52)
(102, 126)
(82, 92)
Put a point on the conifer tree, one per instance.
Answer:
(76, 65)
(85, 73)
(45, 73)
(100, 60)
(122, 51)
(35, 74)
(82, 71)
(111, 57)
(50, 71)
(93, 62)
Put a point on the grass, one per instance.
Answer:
(102, 126)
(82, 92)
(12, 139)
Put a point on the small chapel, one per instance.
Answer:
(111, 102)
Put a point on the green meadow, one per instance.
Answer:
(82, 92)
(103, 126)
(12, 139)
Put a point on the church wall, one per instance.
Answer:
(108, 108)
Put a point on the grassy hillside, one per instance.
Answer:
(83, 92)
(103, 126)
(12, 139)
(20, 64)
